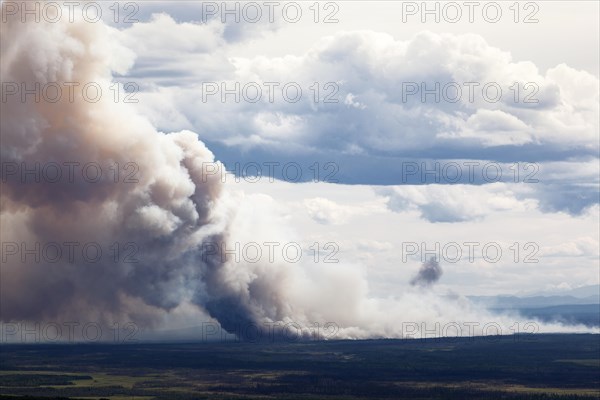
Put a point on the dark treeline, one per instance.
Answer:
(540, 367)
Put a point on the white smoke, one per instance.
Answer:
(161, 206)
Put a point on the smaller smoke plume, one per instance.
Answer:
(428, 274)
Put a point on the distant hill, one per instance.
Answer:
(574, 306)
(582, 295)
(532, 302)
(579, 314)
(582, 291)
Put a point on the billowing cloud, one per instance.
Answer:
(379, 109)
(325, 211)
(483, 105)
(455, 203)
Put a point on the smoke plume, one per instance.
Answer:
(132, 193)
(429, 273)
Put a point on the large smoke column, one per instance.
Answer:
(166, 210)
(161, 210)
(429, 273)
(170, 212)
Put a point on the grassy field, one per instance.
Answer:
(535, 367)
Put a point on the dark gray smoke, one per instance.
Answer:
(429, 273)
